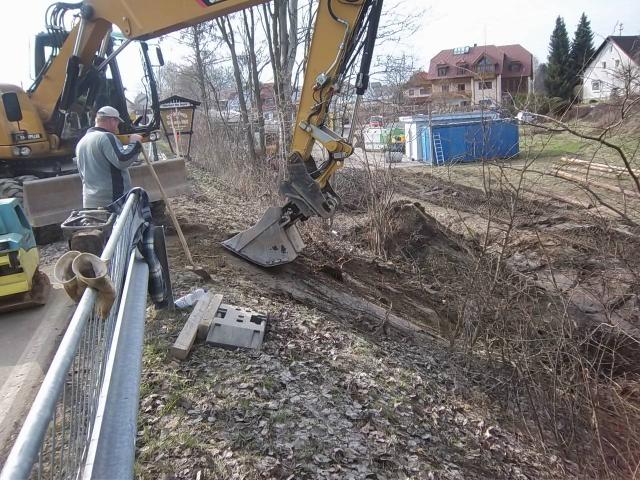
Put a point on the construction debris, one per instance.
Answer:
(207, 306)
(237, 327)
(221, 325)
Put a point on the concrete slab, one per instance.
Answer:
(237, 327)
(28, 341)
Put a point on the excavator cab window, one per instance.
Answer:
(12, 106)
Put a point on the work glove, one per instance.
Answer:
(93, 272)
(63, 273)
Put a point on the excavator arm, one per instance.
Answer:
(86, 48)
(343, 30)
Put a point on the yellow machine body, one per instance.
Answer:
(22, 281)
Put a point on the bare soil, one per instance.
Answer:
(356, 378)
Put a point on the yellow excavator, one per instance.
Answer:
(39, 127)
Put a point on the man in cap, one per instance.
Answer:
(103, 161)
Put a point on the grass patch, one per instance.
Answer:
(551, 145)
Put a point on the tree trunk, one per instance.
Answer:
(250, 29)
(201, 73)
(281, 29)
(227, 35)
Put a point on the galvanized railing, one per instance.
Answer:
(69, 428)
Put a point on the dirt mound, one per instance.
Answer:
(605, 114)
(417, 235)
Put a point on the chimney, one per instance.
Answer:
(475, 45)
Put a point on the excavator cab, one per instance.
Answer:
(40, 127)
(97, 86)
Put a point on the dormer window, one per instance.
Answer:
(442, 71)
(463, 69)
(485, 66)
(515, 67)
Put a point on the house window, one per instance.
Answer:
(425, 90)
(617, 63)
(411, 92)
(442, 71)
(604, 64)
(461, 87)
(463, 69)
(595, 85)
(485, 85)
(515, 66)
(445, 87)
(485, 66)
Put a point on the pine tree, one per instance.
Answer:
(558, 81)
(581, 49)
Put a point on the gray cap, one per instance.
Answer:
(109, 112)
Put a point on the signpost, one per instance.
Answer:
(177, 115)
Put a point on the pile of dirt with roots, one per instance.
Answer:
(417, 236)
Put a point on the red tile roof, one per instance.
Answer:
(501, 56)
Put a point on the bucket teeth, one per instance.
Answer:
(268, 243)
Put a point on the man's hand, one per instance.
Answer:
(135, 138)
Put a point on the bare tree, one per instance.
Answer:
(280, 22)
(226, 30)
(396, 70)
(197, 38)
(254, 74)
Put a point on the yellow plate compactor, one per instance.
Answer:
(22, 285)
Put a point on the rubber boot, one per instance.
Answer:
(63, 274)
(93, 271)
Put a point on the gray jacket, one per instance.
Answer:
(102, 163)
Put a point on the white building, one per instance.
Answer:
(614, 70)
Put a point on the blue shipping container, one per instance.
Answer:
(449, 141)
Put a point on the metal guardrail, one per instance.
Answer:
(98, 361)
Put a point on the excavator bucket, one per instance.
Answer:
(268, 243)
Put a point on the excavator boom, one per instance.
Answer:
(344, 29)
(341, 28)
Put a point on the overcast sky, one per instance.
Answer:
(445, 24)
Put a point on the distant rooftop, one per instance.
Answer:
(508, 60)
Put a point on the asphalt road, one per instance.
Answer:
(28, 341)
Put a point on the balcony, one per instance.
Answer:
(465, 94)
(483, 70)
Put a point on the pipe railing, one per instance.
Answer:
(57, 434)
